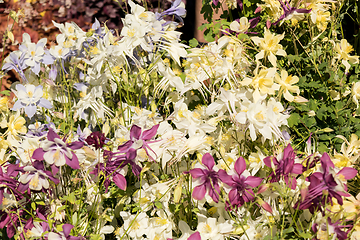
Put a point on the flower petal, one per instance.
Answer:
(208, 161)
(240, 165)
(199, 192)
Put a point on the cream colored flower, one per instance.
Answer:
(262, 82)
(343, 49)
(269, 46)
(286, 85)
(356, 93)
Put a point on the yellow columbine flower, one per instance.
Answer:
(4, 104)
(15, 125)
(269, 46)
(343, 49)
(286, 81)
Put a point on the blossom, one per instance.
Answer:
(290, 12)
(284, 168)
(240, 183)
(356, 93)
(64, 234)
(36, 177)
(343, 49)
(206, 179)
(326, 181)
(56, 151)
(269, 46)
(139, 139)
(16, 63)
(177, 9)
(30, 96)
(286, 83)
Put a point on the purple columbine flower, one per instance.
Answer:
(331, 228)
(55, 151)
(36, 178)
(289, 11)
(285, 168)
(29, 97)
(64, 235)
(97, 139)
(16, 63)
(325, 185)
(138, 140)
(240, 183)
(206, 179)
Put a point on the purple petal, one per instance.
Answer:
(199, 192)
(148, 134)
(196, 172)
(225, 178)
(120, 181)
(74, 162)
(208, 161)
(297, 168)
(240, 165)
(52, 135)
(195, 236)
(253, 181)
(348, 172)
(67, 229)
(270, 159)
(288, 152)
(215, 2)
(135, 132)
(75, 145)
(303, 10)
(38, 154)
(253, 22)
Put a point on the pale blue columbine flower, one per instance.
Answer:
(17, 63)
(29, 97)
(177, 9)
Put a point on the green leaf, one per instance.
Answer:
(193, 43)
(305, 235)
(33, 206)
(158, 205)
(293, 119)
(95, 237)
(5, 92)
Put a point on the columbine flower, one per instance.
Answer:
(326, 185)
(293, 13)
(269, 46)
(139, 140)
(240, 183)
(286, 83)
(16, 63)
(56, 151)
(29, 97)
(37, 178)
(64, 235)
(284, 168)
(343, 50)
(206, 179)
(177, 9)
(356, 93)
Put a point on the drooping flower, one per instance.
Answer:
(240, 183)
(206, 179)
(64, 234)
(293, 13)
(326, 185)
(285, 168)
(16, 63)
(29, 97)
